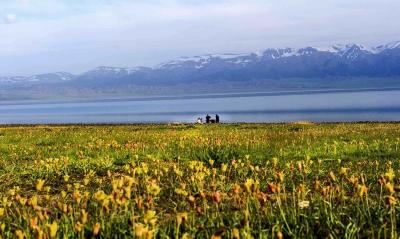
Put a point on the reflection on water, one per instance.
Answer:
(326, 106)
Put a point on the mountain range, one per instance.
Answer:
(338, 66)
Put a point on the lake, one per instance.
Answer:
(318, 106)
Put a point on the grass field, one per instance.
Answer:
(187, 181)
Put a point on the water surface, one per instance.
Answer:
(319, 106)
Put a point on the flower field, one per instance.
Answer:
(299, 180)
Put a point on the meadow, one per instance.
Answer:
(299, 180)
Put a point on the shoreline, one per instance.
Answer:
(192, 124)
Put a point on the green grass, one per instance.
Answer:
(200, 181)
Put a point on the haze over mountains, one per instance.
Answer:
(340, 66)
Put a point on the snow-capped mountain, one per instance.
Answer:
(314, 64)
(42, 78)
(348, 51)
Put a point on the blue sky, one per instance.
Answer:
(38, 36)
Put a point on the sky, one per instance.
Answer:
(41, 36)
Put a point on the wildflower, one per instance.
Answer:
(2, 210)
(22, 200)
(235, 233)
(150, 217)
(250, 185)
(63, 194)
(181, 217)
(84, 216)
(299, 166)
(332, 176)
(33, 201)
(186, 236)
(224, 167)
(153, 189)
(304, 204)
(140, 230)
(390, 174)
(389, 187)
(279, 235)
(216, 197)
(180, 191)
(343, 171)
(317, 184)
(274, 162)
(191, 199)
(362, 190)
(78, 227)
(236, 189)
(66, 178)
(53, 229)
(96, 229)
(390, 200)
(86, 181)
(274, 188)
(301, 188)
(281, 176)
(19, 234)
(39, 184)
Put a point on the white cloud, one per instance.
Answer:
(10, 18)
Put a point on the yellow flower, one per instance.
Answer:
(84, 216)
(181, 192)
(153, 189)
(78, 227)
(250, 185)
(53, 229)
(390, 174)
(279, 235)
(34, 201)
(236, 233)
(390, 188)
(66, 178)
(332, 175)
(19, 234)
(63, 194)
(281, 176)
(2, 210)
(39, 184)
(149, 217)
(362, 189)
(224, 167)
(343, 171)
(274, 162)
(304, 204)
(181, 217)
(96, 229)
(86, 181)
(140, 230)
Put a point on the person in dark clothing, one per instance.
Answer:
(208, 119)
(217, 119)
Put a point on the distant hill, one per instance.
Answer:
(339, 66)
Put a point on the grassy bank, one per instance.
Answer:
(229, 181)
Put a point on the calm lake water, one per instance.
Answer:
(329, 106)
